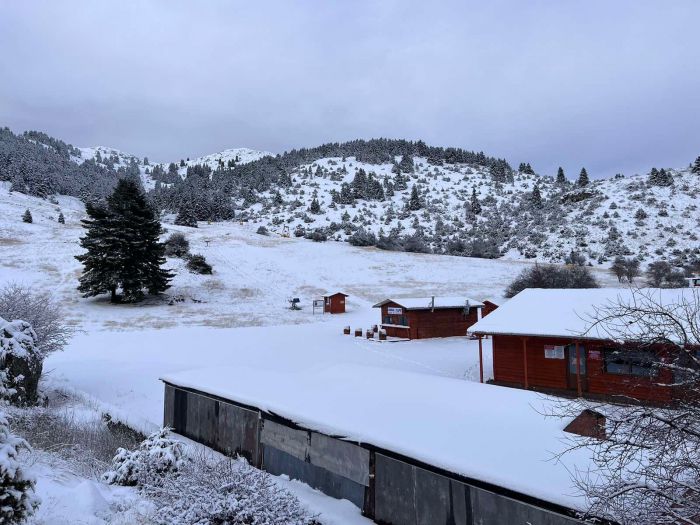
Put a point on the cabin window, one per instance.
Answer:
(629, 362)
(399, 320)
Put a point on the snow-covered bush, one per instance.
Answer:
(17, 498)
(157, 455)
(196, 263)
(20, 362)
(177, 245)
(550, 276)
(209, 490)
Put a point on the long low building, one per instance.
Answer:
(423, 317)
(406, 448)
(586, 342)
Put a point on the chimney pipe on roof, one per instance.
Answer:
(432, 303)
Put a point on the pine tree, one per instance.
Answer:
(17, 497)
(122, 247)
(186, 216)
(536, 197)
(474, 203)
(414, 203)
(582, 178)
(696, 167)
(61, 218)
(660, 177)
(315, 206)
(561, 178)
(406, 165)
(27, 217)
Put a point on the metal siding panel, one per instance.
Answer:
(493, 509)
(192, 419)
(440, 500)
(289, 440)
(180, 411)
(340, 457)
(237, 432)
(279, 462)
(169, 407)
(394, 492)
(409, 495)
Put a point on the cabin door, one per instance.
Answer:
(571, 371)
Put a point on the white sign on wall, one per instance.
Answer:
(553, 352)
(393, 310)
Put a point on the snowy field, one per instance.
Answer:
(237, 318)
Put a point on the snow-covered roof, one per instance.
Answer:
(571, 312)
(426, 303)
(460, 426)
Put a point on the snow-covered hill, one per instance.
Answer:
(115, 159)
(457, 208)
(609, 217)
(234, 156)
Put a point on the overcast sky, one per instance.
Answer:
(612, 85)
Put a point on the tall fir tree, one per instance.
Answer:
(582, 178)
(27, 217)
(696, 167)
(414, 203)
(561, 178)
(536, 197)
(474, 203)
(186, 216)
(122, 246)
(61, 218)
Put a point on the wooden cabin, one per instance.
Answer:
(489, 306)
(334, 304)
(424, 317)
(542, 340)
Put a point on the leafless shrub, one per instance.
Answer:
(86, 443)
(647, 470)
(39, 309)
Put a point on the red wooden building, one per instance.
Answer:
(334, 304)
(489, 306)
(542, 340)
(423, 317)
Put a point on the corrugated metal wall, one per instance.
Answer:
(225, 427)
(409, 495)
(335, 467)
(390, 490)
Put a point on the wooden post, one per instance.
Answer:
(525, 361)
(578, 369)
(481, 362)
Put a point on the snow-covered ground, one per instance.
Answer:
(238, 317)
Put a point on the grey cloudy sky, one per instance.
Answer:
(612, 85)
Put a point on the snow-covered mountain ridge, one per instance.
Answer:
(443, 200)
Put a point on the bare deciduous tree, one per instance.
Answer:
(647, 469)
(18, 301)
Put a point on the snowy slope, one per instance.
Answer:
(601, 225)
(237, 155)
(599, 221)
(115, 158)
(253, 276)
